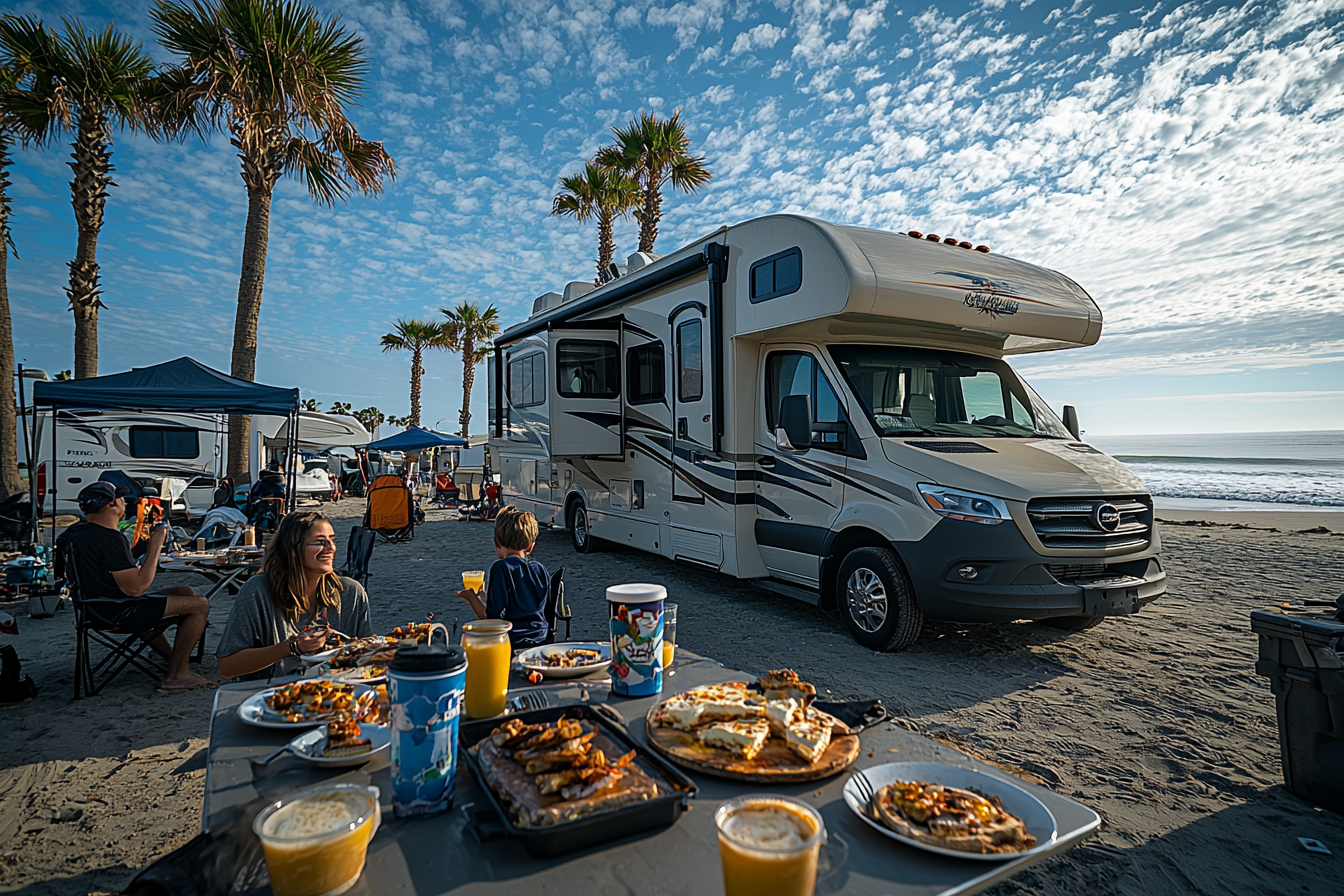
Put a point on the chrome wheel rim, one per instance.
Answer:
(866, 597)
(581, 527)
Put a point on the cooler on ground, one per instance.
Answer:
(1302, 655)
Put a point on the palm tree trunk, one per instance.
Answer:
(416, 372)
(88, 195)
(649, 216)
(468, 378)
(606, 244)
(10, 483)
(250, 284)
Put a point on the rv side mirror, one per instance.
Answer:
(794, 432)
(1071, 421)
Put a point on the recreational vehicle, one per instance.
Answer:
(827, 410)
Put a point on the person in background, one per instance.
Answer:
(516, 587)
(293, 605)
(117, 593)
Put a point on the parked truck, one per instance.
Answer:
(826, 410)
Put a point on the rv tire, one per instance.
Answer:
(1073, 623)
(581, 531)
(875, 600)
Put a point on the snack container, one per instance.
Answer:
(598, 829)
(425, 687)
(314, 859)
(636, 628)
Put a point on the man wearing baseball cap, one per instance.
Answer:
(116, 591)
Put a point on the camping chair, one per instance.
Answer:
(358, 552)
(556, 610)
(124, 648)
(391, 509)
(470, 495)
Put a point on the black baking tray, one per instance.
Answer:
(601, 827)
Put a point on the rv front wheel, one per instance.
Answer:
(581, 531)
(876, 602)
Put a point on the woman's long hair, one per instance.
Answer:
(284, 570)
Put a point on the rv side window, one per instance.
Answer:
(778, 275)
(690, 362)
(796, 373)
(644, 373)
(587, 368)
(527, 380)
(147, 441)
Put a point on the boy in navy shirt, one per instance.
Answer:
(516, 588)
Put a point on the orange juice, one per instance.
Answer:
(474, 581)
(768, 846)
(669, 650)
(315, 841)
(488, 658)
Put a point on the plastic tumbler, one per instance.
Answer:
(425, 685)
(490, 655)
(669, 636)
(636, 628)
(474, 580)
(769, 846)
(315, 840)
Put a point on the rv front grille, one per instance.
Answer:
(1066, 573)
(953, 447)
(1090, 524)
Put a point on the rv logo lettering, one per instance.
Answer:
(992, 297)
(991, 304)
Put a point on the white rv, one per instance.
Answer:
(826, 410)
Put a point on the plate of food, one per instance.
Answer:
(341, 742)
(303, 704)
(369, 673)
(953, 811)
(569, 659)
(766, 731)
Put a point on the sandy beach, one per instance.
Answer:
(1156, 721)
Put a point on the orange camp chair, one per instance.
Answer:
(390, 512)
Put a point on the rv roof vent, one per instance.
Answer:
(641, 260)
(576, 288)
(545, 301)
(953, 447)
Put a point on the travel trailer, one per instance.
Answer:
(187, 447)
(826, 410)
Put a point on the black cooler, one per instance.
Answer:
(1302, 655)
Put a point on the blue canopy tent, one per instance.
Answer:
(183, 385)
(416, 438)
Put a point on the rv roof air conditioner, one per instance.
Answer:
(545, 302)
(576, 288)
(640, 260)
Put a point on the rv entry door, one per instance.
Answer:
(692, 405)
(585, 393)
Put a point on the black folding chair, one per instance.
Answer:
(358, 552)
(557, 611)
(125, 648)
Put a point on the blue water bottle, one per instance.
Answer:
(425, 685)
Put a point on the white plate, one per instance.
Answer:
(315, 659)
(532, 658)
(347, 676)
(1035, 816)
(308, 746)
(254, 710)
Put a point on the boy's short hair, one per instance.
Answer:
(515, 529)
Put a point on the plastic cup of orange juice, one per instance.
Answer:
(474, 580)
(315, 840)
(669, 636)
(769, 846)
(488, 658)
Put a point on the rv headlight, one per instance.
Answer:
(958, 505)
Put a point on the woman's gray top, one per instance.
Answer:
(254, 621)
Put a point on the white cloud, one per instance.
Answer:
(761, 37)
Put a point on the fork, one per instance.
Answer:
(527, 700)
(866, 790)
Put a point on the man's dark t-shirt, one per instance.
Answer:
(99, 552)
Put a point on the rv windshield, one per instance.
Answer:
(911, 391)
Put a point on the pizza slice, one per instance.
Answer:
(743, 738)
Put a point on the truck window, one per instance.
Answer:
(797, 373)
(778, 275)
(587, 368)
(644, 373)
(153, 441)
(690, 362)
(527, 380)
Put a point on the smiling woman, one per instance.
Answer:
(292, 607)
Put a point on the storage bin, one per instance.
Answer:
(1302, 655)
(45, 604)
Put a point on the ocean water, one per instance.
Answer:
(1237, 471)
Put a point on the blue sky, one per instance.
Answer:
(1181, 162)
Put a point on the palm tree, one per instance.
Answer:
(277, 76)
(653, 151)
(597, 193)
(91, 83)
(369, 418)
(340, 407)
(468, 328)
(310, 404)
(416, 337)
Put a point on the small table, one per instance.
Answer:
(442, 855)
(221, 575)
